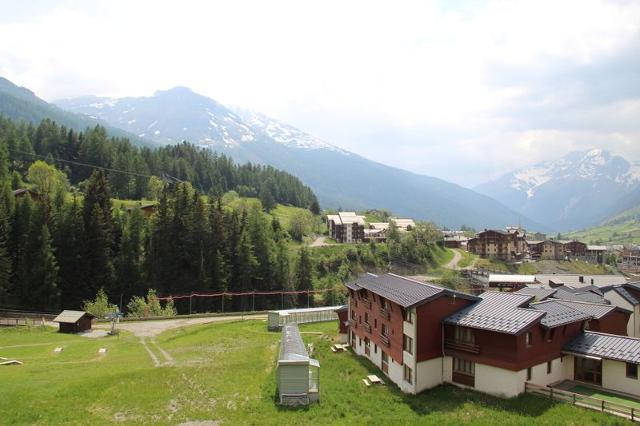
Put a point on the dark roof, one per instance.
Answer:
(497, 311)
(540, 293)
(609, 346)
(558, 313)
(596, 310)
(622, 291)
(406, 292)
(568, 293)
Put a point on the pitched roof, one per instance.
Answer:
(406, 292)
(573, 280)
(625, 294)
(540, 293)
(559, 313)
(505, 278)
(71, 316)
(568, 293)
(497, 311)
(609, 346)
(596, 310)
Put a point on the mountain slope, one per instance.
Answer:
(623, 228)
(21, 104)
(339, 178)
(576, 191)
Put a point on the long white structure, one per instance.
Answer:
(277, 319)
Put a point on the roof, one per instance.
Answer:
(595, 310)
(302, 310)
(625, 294)
(403, 223)
(406, 292)
(499, 278)
(609, 346)
(292, 347)
(558, 313)
(574, 279)
(567, 293)
(71, 316)
(497, 311)
(597, 248)
(456, 238)
(540, 293)
(379, 225)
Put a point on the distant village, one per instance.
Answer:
(513, 244)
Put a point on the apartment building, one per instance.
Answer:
(505, 245)
(346, 227)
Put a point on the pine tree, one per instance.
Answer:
(304, 273)
(69, 240)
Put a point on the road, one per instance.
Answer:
(453, 263)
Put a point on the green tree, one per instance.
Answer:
(304, 272)
(100, 306)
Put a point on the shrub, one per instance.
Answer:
(138, 307)
(99, 307)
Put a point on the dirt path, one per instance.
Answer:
(320, 241)
(147, 331)
(453, 263)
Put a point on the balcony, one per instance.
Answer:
(385, 340)
(385, 314)
(459, 345)
(367, 327)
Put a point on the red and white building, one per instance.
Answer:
(422, 335)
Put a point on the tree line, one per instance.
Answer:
(145, 168)
(59, 246)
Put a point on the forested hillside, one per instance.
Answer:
(70, 236)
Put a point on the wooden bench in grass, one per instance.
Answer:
(366, 382)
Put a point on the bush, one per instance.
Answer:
(138, 307)
(99, 307)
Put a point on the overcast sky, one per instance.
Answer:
(462, 90)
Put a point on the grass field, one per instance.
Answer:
(225, 372)
(543, 267)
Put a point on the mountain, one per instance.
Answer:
(621, 228)
(579, 190)
(21, 104)
(339, 178)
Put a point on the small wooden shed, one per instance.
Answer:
(297, 375)
(74, 321)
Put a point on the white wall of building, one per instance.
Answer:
(633, 326)
(539, 375)
(499, 381)
(429, 373)
(614, 376)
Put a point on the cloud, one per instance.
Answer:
(458, 90)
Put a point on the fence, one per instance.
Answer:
(585, 401)
(17, 318)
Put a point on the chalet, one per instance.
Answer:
(604, 360)
(629, 260)
(74, 321)
(574, 249)
(376, 232)
(455, 241)
(504, 245)
(546, 250)
(147, 209)
(421, 335)
(396, 323)
(403, 224)
(346, 227)
(595, 254)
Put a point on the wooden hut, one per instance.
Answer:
(74, 321)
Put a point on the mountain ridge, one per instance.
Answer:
(339, 178)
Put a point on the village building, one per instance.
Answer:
(403, 224)
(546, 250)
(377, 232)
(626, 296)
(74, 321)
(504, 245)
(629, 260)
(346, 227)
(421, 335)
(596, 254)
(22, 192)
(455, 241)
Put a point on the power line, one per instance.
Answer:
(109, 169)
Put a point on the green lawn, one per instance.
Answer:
(607, 396)
(225, 372)
(468, 259)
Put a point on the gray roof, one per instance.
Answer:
(71, 317)
(567, 293)
(292, 347)
(558, 313)
(622, 291)
(596, 310)
(573, 280)
(540, 293)
(497, 311)
(609, 346)
(406, 292)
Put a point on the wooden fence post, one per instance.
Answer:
(574, 399)
(550, 393)
(603, 405)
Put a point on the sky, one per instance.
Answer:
(462, 90)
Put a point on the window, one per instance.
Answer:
(549, 367)
(359, 341)
(464, 334)
(463, 366)
(529, 374)
(353, 315)
(408, 316)
(385, 330)
(383, 303)
(375, 323)
(408, 375)
(366, 318)
(375, 348)
(632, 370)
(407, 344)
(528, 338)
